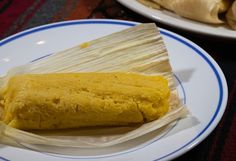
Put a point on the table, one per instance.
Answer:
(18, 15)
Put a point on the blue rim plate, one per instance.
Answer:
(202, 73)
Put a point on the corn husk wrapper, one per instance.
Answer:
(139, 49)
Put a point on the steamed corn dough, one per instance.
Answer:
(72, 100)
(202, 10)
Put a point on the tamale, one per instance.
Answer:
(72, 100)
(201, 10)
(139, 49)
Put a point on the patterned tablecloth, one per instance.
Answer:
(18, 15)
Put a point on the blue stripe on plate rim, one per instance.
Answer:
(169, 34)
(3, 159)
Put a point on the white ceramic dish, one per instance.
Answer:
(199, 79)
(171, 19)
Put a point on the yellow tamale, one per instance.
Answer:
(72, 100)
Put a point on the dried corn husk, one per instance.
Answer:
(139, 49)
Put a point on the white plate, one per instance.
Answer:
(200, 82)
(171, 19)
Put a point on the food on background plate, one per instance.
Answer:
(207, 11)
(120, 80)
(231, 16)
(73, 100)
(150, 3)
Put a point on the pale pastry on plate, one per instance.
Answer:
(207, 11)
